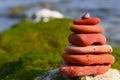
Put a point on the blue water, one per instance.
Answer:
(107, 10)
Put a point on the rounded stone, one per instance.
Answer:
(86, 29)
(87, 39)
(88, 21)
(77, 70)
(88, 59)
(88, 49)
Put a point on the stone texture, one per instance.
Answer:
(111, 74)
(77, 70)
(88, 49)
(87, 54)
(89, 21)
(86, 29)
(87, 39)
(88, 59)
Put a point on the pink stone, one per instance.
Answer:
(87, 39)
(88, 59)
(86, 29)
(88, 49)
(78, 70)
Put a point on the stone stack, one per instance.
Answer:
(88, 53)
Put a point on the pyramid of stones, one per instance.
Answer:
(88, 53)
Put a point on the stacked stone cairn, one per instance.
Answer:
(88, 53)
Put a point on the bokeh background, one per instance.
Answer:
(12, 11)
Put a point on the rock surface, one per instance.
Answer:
(86, 29)
(69, 70)
(89, 21)
(88, 59)
(87, 39)
(112, 74)
(96, 49)
(86, 33)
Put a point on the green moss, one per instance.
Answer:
(29, 49)
(116, 54)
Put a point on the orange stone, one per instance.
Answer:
(87, 39)
(88, 59)
(78, 70)
(86, 29)
(88, 21)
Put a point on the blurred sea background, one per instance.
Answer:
(13, 11)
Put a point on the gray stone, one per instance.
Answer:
(112, 74)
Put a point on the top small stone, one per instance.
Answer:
(87, 20)
(85, 16)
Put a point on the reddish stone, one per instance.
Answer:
(76, 71)
(89, 49)
(88, 21)
(88, 59)
(87, 39)
(86, 29)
